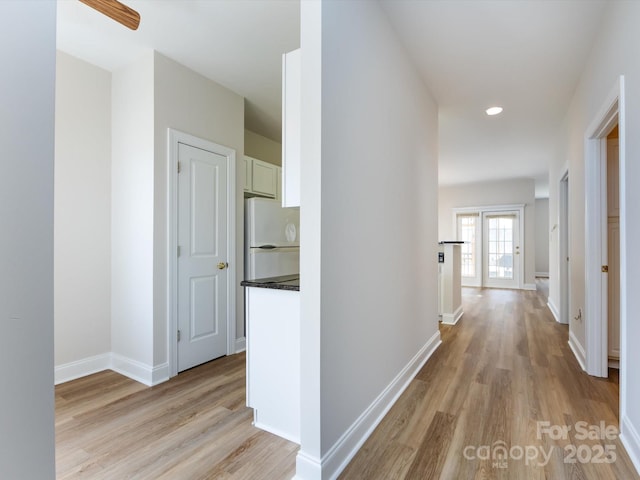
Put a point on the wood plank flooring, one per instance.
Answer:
(195, 426)
(502, 369)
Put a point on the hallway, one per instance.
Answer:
(503, 397)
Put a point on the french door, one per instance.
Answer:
(501, 249)
(469, 231)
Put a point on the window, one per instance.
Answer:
(467, 225)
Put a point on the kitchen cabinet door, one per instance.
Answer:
(263, 178)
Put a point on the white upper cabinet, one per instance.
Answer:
(291, 100)
(260, 177)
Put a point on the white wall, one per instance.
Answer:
(504, 192)
(27, 96)
(82, 210)
(263, 148)
(368, 277)
(615, 52)
(193, 104)
(132, 213)
(542, 236)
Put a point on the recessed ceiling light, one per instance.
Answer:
(493, 110)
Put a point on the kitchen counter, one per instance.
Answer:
(284, 282)
(272, 309)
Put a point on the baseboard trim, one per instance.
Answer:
(133, 369)
(81, 368)
(452, 318)
(554, 309)
(307, 467)
(241, 344)
(631, 441)
(341, 453)
(542, 275)
(138, 371)
(614, 364)
(529, 286)
(578, 351)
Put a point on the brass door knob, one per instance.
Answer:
(222, 265)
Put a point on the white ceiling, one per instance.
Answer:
(237, 43)
(525, 55)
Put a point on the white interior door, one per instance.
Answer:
(501, 249)
(202, 260)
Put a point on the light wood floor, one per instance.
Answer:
(505, 366)
(195, 426)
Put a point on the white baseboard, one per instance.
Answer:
(452, 318)
(81, 368)
(138, 371)
(578, 351)
(614, 364)
(554, 309)
(241, 344)
(341, 453)
(631, 441)
(542, 274)
(529, 286)
(308, 467)
(133, 369)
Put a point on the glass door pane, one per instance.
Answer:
(501, 250)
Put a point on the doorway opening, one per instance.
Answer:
(602, 202)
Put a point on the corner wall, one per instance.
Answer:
(82, 209)
(132, 218)
(369, 199)
(27, 96)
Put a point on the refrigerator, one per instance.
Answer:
(271, 239)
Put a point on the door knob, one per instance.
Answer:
(222, 265)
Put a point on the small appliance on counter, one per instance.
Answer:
(271, 239)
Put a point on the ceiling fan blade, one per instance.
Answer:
(117, 11)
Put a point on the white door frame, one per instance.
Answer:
(519, 208)
(596, 287)
(174, 138)
(563, 246)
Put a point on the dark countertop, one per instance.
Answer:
(284, 282)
